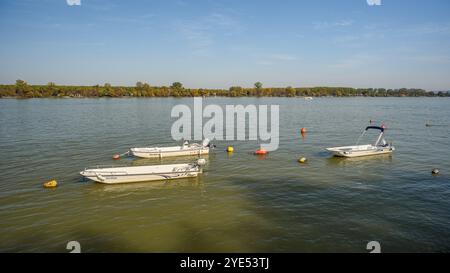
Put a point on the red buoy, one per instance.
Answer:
(261, 152)
(115, 157)
(303, 130)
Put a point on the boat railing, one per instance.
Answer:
(106, 167)
(100, 167)
(114, 173)
(111, 173)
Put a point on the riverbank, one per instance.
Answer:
(23, 90)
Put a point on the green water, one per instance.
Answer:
(241, 203)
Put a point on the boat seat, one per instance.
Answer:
(179, 169)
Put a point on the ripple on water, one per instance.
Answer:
(242, 202)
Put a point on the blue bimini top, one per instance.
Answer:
(375, 128)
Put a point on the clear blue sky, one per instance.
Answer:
(217, 44)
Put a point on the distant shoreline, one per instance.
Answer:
(239, 97)
(22, 90)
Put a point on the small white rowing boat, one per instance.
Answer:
(379, 147)
(119, 175)
(185, 150)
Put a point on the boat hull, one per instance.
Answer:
(117, 179)
(360, 151)
(141, 174)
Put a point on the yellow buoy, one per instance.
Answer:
(50, 184)
(302, 160)
(230, 149)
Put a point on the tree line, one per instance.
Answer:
(23, 90)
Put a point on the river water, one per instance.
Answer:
(241, 203)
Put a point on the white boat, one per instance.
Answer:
(308, 98)
(184, 150)
(379, 147)
(117, 175)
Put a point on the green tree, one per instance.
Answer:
(107, 90)
(177, 85)
(290, 92)
(51, 89)
(23, 90)
(258, 85)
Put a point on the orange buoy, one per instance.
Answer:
(261, 152)
(303, 131)
(115, 157)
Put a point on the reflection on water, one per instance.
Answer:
(261, 157)
(154, 185)
(241, 202)
(360, 161)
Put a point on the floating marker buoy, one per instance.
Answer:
(201, 162)
(50, 184)
(115, 157)
(230, 149)
(303, 130)
(302, 160)
(435, 171)
(261, 152)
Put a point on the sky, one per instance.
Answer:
(223, 43)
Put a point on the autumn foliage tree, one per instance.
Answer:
(22, 89)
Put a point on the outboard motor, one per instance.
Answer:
(206, 142)
(201, 162)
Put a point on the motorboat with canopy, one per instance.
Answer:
(379, 147)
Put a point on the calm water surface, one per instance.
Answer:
(241, 203)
